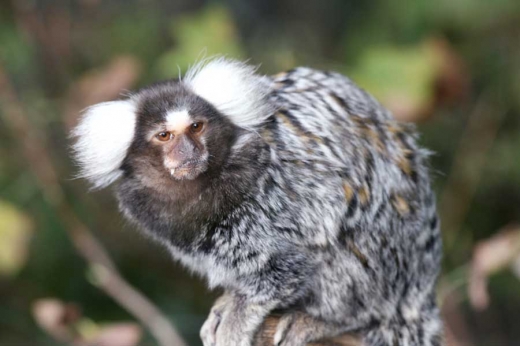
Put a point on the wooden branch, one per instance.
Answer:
(33, 149)
(266, 335)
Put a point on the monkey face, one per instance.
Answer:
(181, 141)
(179, 136)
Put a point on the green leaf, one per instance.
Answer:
(204, 34)
(15, 232)
(401, 78)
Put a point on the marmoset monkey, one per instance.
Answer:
(297, 192)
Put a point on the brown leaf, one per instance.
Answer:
(453, 82)
(490, 256)
(56, 317)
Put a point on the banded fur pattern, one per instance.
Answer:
(322, 204)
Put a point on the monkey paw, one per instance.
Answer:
(208, 332)
(222, 329)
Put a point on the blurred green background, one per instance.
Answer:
(453, 67)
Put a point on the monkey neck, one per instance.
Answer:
(185, 212)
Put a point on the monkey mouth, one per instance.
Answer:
(188, 170)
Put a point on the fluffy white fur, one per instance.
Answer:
(104, 135)
(233, 88)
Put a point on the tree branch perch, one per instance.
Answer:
(266, 335)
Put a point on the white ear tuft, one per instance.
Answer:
(233, 88)
(104, 135)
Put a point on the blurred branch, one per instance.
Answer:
(33, 149)
(266, 336)
(50, 31)
(100, 85)
(456, 329)
(468, 164)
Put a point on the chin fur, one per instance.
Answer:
(189, 172)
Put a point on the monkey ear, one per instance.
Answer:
(104, 135)
(233, 88)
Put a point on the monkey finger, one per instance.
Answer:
(208, 331)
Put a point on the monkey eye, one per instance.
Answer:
(196, 127)
(164, 136)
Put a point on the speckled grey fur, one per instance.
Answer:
(324, 209)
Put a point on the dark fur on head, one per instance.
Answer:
(145, 158)
(179, 209)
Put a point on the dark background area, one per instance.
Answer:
(452, 67)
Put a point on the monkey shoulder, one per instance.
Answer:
(336, 141)
(325, 120)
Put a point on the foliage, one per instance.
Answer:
(205, 34)
(15, 230)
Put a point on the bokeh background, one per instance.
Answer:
(72, 272)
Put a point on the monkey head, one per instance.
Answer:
(178, 136)
(175, 132)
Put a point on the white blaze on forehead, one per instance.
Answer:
(104, 135)
(233, 88)
(177, 121)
